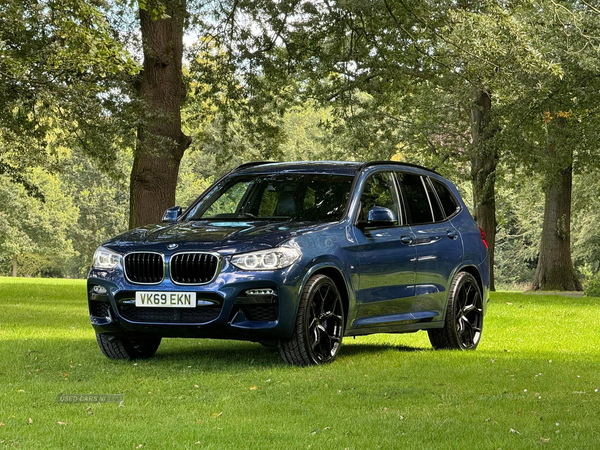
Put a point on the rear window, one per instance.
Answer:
(419, 209)
(449, 203)
(438, 215)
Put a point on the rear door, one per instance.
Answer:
(386, 256)
(437, 242)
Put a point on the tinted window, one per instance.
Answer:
(229, 201)
(296, 197)
(448, 201)
(378, 191)
(438, 215)
(268, 203)
(416, 201)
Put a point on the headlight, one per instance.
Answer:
(275, 258)
(105, 259)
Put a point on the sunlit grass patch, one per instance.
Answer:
(536, 372)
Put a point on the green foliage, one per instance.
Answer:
(28, 225)
(586, 217)
(64, 81)
(592, 287)
(45, 266)
(520, 210)
(288, 80)
(57, 237)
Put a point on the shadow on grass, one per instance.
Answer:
(212, 353)
(244, 353)
(205, 354)
(357, 349)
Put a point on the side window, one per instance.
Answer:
(268, 202)
(309, 199)
(379, 191)
(418, 206)
(448, 201)
(438, 215)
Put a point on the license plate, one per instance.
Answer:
(165, 299)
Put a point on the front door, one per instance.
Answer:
(387, 258)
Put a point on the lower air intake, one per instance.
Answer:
(200, 314)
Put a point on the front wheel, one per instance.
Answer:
(120, 347)
(319, 326)
(464, 316)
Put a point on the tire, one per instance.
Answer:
(319, 325)
(464, 316)
(119, 347)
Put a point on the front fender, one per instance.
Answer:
(326, 265)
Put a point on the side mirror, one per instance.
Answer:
(379, 216)
(172, 214)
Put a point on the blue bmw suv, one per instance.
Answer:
(298, 256)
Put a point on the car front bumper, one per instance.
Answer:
(224, 309)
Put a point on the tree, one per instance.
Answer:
(102, 203)
(63, 80)
(160, 141)
(553, 121)
(371, 59)
(30, 226)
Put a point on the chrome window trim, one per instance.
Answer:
(217, 270)
(137, 282)
(429, 201)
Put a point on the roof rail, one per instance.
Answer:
(398, 163)
(252, 164)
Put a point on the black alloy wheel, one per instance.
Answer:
(464, 316)
(319, 326)
(469, 315)
(325, 323)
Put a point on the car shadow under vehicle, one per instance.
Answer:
(357, 349)
(211, 354)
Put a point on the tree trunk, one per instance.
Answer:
(15, 262)
(483, 171)
(555, 267)
(160, 140)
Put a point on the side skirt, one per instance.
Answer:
(398, 329)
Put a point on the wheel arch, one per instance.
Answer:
(337, 276)
(471, 269)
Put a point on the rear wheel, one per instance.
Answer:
(319, 326)
(464, 316)
(120, 347)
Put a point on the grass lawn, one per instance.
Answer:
(534, 381)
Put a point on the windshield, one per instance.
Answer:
(276, 197)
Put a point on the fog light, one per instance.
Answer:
(260, 292)
(97, 289)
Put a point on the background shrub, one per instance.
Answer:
(592, 287)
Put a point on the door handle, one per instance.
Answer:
(407, 240)
(452, 234)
